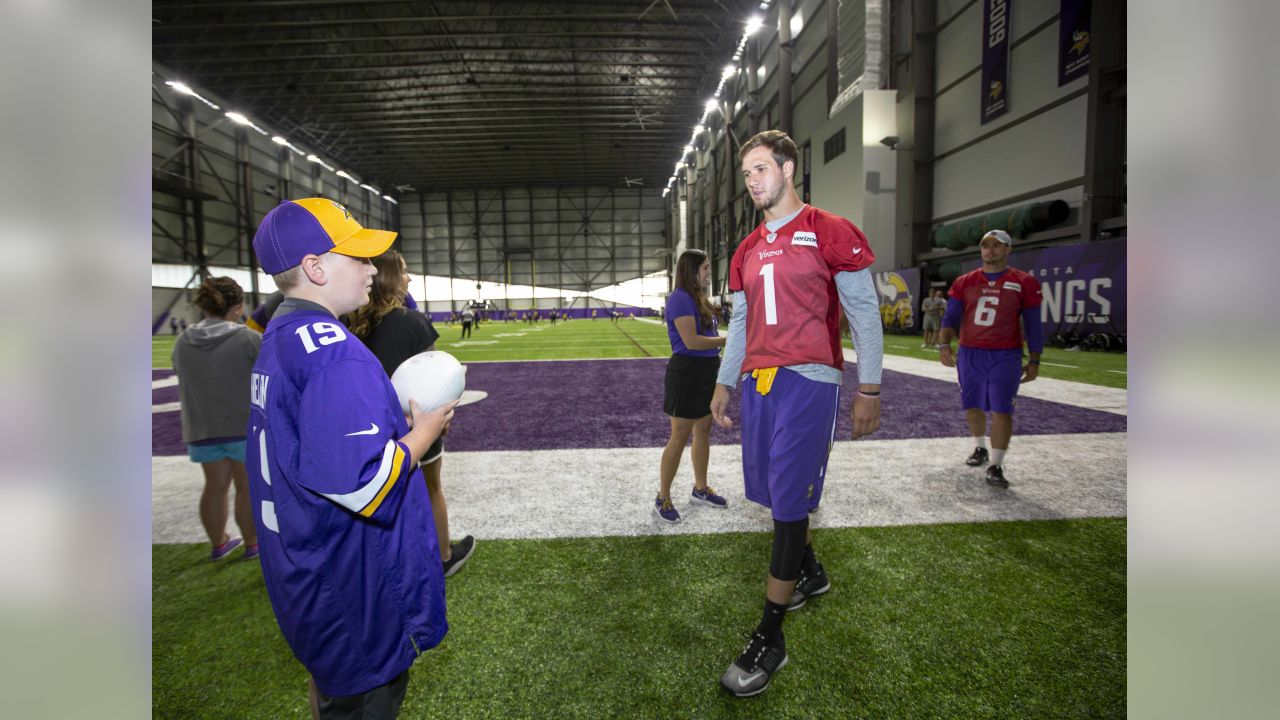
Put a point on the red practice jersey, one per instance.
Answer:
(993, 308)
(793, 307)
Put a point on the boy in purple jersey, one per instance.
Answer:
(347, 540)
(988, 308)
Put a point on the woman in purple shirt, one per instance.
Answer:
(690, 381)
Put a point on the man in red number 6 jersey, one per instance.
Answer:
(989, 306)
(789, 279)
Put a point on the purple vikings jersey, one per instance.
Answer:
(348, 543)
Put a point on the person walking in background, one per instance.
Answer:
(932, 307)
(988, 308)
(790, 278)
(689, 382)
(467, 318)
(394, 334)
(348, 542)
(213, 360)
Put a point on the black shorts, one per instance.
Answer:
(434, 452)
(689, 384)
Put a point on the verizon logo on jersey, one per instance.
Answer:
(804, 237)
(1011, 285)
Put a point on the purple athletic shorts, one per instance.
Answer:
(786, 439)
(989, 378)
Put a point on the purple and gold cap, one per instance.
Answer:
(313, 226)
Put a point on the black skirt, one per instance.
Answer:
(689, 384)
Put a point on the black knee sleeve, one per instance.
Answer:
(788, 548)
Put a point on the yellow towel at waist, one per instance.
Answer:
(764, 379)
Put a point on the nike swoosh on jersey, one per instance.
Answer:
(857, 251)
(373, 430)
(743, 682)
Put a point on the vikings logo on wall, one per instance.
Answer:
(897, 298)
(1073, 40)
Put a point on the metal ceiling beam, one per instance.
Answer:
(222, 24)
(243, 4)
(431, 95)
(240, 41)
(628, 61)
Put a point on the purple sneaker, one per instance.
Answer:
(250, 552)
(665, 511)
(223, 550)
(708, 496)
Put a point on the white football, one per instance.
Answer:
(430, 378)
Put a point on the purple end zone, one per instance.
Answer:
(618, 403)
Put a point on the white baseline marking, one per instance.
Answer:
(601, 492)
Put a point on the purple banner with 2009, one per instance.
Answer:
(1083, 284)
(995, 59)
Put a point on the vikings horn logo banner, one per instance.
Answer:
(1073, 40)
(995, 59)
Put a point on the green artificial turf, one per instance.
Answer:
(588, 339)
(162, 351)
(1014, 619)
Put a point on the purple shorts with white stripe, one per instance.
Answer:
(786, 439)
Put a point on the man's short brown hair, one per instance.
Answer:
(778, 142)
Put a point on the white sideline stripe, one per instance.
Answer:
(1094, 397)
(171, 381)
(1059, 365)
(594, 493)
(166, 407)
(1121, 372)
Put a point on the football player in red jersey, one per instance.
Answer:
(790, 278)
(988, 307)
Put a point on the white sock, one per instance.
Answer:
(980, 441)
(997, 456)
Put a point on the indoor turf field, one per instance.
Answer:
(949, 598)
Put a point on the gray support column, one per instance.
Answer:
(475, 234)
(422, 219)
(755, 103)
(533, 245)
(448, 221)
(833, 51)
(506, 262)
(1104, 143)
(923, 80)
(192, 170)
(613, 237)
(784, 66)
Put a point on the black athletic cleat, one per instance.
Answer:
(979, 457)
(808, 586)
(995, 477)
(460, 552)
(750, 673)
